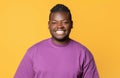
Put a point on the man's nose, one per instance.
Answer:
(60, 25)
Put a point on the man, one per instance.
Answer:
(59, 56)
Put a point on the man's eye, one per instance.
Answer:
(53, 22)
(66, 22)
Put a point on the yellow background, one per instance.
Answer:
(96, 25)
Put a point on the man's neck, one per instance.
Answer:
(58, 42)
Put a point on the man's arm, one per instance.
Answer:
(89, 66)
(25, 69)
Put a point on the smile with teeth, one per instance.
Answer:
(60, 32)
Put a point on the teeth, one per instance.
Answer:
(59, 32)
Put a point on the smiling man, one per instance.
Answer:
(58, 56)
(60, 25)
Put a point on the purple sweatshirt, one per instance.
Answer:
(48, 60)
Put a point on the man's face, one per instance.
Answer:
(60, 25)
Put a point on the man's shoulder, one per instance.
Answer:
(82, 49)
(80, 46)
(77, 43)
(40, 44)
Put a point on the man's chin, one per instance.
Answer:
(60, 39)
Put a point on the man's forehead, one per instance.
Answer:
(59, 15)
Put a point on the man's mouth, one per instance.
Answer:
(60, 32)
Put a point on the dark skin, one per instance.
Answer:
(60, 26)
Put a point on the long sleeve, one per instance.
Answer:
(25, 69)
(89, 66)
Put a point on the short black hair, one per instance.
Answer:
(60, 8)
